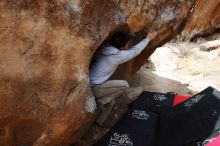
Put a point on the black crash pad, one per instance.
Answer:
(151, 122)
(190, 121)
(153, 101)
(135, 128)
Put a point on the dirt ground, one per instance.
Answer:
(194, 64)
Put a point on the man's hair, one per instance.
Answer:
(119, 39)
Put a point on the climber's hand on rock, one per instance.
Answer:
(151, 35)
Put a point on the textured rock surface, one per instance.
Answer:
(205, 19)
(45, 51)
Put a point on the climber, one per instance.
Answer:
(112, 55)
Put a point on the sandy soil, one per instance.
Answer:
(196, 66)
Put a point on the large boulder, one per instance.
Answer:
(45, 51)
(205, 19)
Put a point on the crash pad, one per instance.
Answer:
(152, 120)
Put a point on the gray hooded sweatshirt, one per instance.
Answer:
(110, 58)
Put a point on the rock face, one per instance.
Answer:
(45, 51)
(205, 19)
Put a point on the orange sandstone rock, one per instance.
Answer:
(45, 51)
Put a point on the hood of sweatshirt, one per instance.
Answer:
(110, 50)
